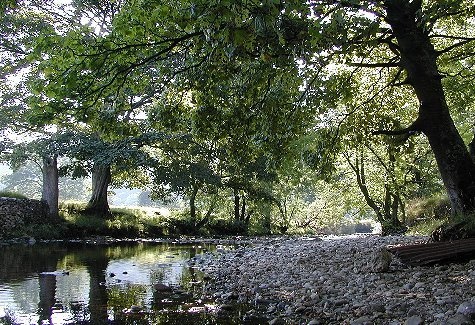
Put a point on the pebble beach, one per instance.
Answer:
(337, 280)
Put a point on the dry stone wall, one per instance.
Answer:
(15, 213)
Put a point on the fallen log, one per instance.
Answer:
(460, 250)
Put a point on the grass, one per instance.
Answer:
(13, 195)
(424, 215)
(121, 223)
(424, 209)
(431, 216)
(425, 227)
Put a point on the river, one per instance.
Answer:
(127, 282)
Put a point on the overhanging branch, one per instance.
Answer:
(374, 65)
(410, 130)
(450, 48)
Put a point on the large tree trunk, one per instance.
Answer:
(101, 178)
(418, 58)
(50, 193)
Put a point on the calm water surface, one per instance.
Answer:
(120, 283)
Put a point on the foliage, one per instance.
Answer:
(10, 194)
(290, 110)
(229, 227)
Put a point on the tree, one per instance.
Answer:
(389, 208)
(44, 150)
(419, 59)
(101, 123)
(27, 180)
(19, 29)
(90, 155)
(408, 38)
(323, 42)
(185, 167)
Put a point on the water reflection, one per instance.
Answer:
(134, 282)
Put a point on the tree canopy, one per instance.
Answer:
(228, 93)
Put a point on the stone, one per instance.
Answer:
(364, 320)
(468, 309)
(329, 282)
(15, 213)
(380, 261)
(377, 307)
(414, 320)
(160, 287)
(277, 321)
(459, 319)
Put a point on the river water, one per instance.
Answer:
(114, 283)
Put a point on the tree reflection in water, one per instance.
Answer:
(101, 284)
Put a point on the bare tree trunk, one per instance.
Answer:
(193, 195)
(386, 211)
(267, 222)
(207, 216)
(101, 178)
(243, 210)
(50, 193)
(237, 204)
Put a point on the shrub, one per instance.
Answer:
(81, 225)
(154, 227)
(228, 227)
(47, 231)
(456, 227)
(13, 195)
(124, 224)
(71, 208)
(181, 226)
(425, 227)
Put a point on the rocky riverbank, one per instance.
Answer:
(338, 281)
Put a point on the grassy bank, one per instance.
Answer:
(124, 223)
(423, 216)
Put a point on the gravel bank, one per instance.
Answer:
(338, 281)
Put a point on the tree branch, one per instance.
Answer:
(410, 130)
(453, 46)
(374, 65)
